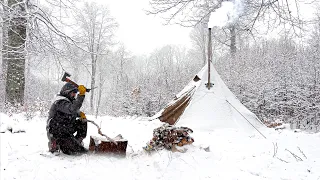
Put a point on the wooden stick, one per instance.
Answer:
(294, 155)
(99, 131)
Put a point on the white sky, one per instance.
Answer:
(143, 33)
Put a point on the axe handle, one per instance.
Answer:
(70, 81)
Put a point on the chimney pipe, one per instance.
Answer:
(209, 84)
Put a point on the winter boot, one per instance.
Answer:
(80, 140)
(52, 145)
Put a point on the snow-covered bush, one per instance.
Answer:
(276, 79)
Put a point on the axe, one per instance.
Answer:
(66, 79)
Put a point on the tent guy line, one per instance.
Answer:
(246, 119)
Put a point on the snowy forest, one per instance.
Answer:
(269, 57)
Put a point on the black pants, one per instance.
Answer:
(81, 129)
(68, 143)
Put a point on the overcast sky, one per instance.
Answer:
(143, 33)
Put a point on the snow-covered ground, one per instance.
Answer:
(234, 154)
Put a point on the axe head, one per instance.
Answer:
(64, 77)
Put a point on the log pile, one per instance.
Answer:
(168, 137)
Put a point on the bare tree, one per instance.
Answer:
(96, 32)
(199, 38)
(102, 77)
(255, 13)
(175, 11)
(23, 25)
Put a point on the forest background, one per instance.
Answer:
(268, 55)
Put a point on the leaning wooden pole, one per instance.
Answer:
(209, 57)
(99, 131)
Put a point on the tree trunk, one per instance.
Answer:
(99, 95)
(4, 40)
(4, 44)
(233, 47)
(93, 80)
(204, 45)
(15, 80)
(204, 56)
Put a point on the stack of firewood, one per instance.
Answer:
(168, 137)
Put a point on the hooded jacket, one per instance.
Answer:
(64, 111)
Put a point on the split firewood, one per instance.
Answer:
(168, 137)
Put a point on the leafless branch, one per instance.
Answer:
(282, 160)
(275, 149)
(295, 156)
(302, 153)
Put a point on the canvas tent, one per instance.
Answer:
(198, 107)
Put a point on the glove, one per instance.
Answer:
(82, 90)
(82, 116)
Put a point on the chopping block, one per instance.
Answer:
(102, 145)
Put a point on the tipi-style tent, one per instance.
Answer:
(198, 107)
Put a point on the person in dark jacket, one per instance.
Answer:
(65, 119)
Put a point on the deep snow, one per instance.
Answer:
(234, 154)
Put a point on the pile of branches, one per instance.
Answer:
(272, 124)
(168, 137)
